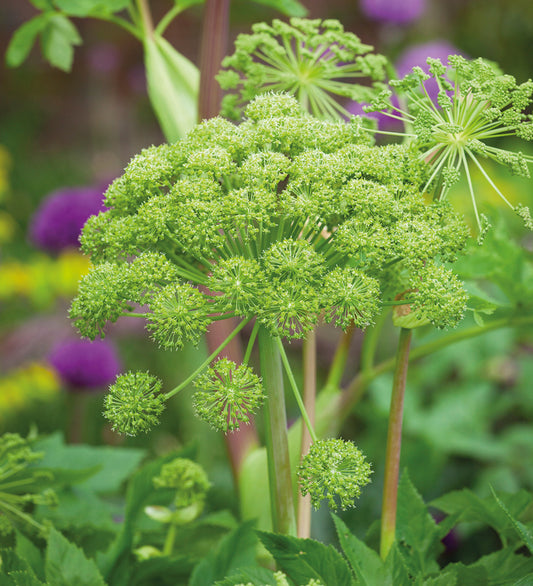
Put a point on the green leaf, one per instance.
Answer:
(473, 508)
(22, 41)
(417, 534)
(523, 531)
(286, 7)
(110, 466)
(303, 559)
(396, 572)
(42, 4)
(25, 579)
(235, 550)
(91, 7)
(173, 83)
(66, 564)
(58, 40)
(26, 550)
(255, 576)
(365, 562)
(505, 566)
(175, 570)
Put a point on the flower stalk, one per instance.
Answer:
(279, 468)
(394, 443)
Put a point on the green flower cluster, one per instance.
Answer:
(228, 395)
(311, 59)
(455, 130)
(334, 469)
(188, 479)
(284, 217)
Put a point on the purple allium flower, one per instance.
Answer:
(417, 55)
(85, 365)
(58, 221)
(395, 11)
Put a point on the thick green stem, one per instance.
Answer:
(394, 443)
(276, 438)
(309, 399)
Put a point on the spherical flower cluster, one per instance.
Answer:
(228, 395)
(85, 365)
(394, 11)
(134, 403)
(334, 469)
(188, 479)
(58, 221)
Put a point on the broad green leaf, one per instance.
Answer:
(22, 41)
(67, 565)
(396, 572)
(236, 550)
(175, 570)
(417, 534)
(286, 7)
(58, 40)
(21, 578)
(365, 562)
(303, 559)
(505, 566)
(523, 531)
(255, 576)
(26, 550)
(173, 83)
(91, 7)
(42, 4)
(110, 466)
(485, 510)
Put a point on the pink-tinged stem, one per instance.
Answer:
(394, 443)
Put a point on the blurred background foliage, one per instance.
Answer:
(469, 407)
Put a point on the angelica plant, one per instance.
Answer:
(277, 221)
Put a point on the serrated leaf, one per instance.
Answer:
(523, 531)
(27, 551)
(25, 579)
(505, 566)
(417, 533)
(365, 562)
(255, 576)
(473, 508)
(396, 572)
(24, 38)
(66, 564)
(58, 40)
(303, 559)
(91, 7)
(173, 83)
(286, 7)
(235, 550)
